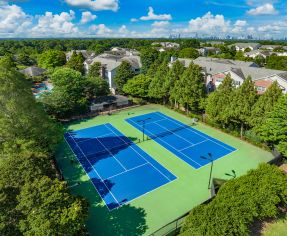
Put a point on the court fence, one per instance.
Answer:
(171, 229)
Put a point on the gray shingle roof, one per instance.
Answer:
(33, 71)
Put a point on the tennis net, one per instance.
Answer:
(112, 150)
(168, 132)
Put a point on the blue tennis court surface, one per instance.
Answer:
(118, 168)
(192, 146)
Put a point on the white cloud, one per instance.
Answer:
(160, 24)
(240, 23)
(101, 30)
(134, 20)
(152, 16)
(87, 16)
(209, 24)
(239, 26)
(13, 20)
(55, 24)
(95, 5)
(266, 9)
(123, 30)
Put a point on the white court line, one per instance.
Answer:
(178, 123)
(192, 145)
(95, 172)
(108, 178)
(173, 133)
(112, 154)
(87, 139)
(141, 155)
(172, 148)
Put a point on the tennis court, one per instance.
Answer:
(119, 170)
(192, 146)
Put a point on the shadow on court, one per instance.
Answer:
(126, 220)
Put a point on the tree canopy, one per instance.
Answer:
(52, 59)
(274, 129)
(76, 62)
(124, 73)
(68, 96)
(238, 203)
(138, 86)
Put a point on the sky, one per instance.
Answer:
(142, 18)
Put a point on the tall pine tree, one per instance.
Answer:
(190, 88)
(124, 73)
(219, 101)
(157, 90)
(264, 105)
(242, 103)
(274, 129)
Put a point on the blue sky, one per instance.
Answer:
(143, 18)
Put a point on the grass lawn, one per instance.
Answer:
(152, 211)
(278, 228)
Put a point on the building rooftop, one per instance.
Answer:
(33, 71)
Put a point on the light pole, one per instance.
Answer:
(143, 125)
(211, 167)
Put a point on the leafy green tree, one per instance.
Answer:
(173, 75)
(138, 86)
(242, 103)
(52, 59)
(76, 62)
(148, 57)
(240, 56)
(260, 60)
(123, 74)
(264, 105)
(190, 88)
(22, 120)
(276, 62)
(50, 209)
(68, 96)
(96, 86)
(218, 102)
(239, 203)
(274, 129)
(157, 89)
(189, 53)
(25, 59)
(94, 70)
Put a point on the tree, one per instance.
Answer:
(190, 88)
(260, 60)
(50, 209)
(157, 89)
(264, 105)
(138, 86)
(274, 129)
(276, 62)
(94, 70)
(173, 76)
(52, 59)
(239, 203)
(123, 74)
(96, 86)
(148, 57)
(218, 102)
(189, 53)
(22, 120)
(68, 96)
(25, 59)
(76, 62)
(242, 103)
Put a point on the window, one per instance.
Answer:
(260, 88)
